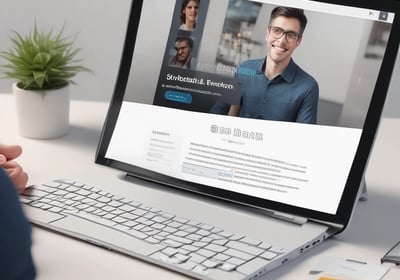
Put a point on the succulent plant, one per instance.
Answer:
(41, 60)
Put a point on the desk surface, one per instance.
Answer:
(374, 228)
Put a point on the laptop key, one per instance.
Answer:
(228, 266)
(44, 188)
(212, 263)
(268, 255)
(252, 265)
(34, 192)
(181, 258)
(89, 217)
(244, 248)
(200, 270)
(180, 239)
(278, 250)
(250, 241)
(238, 254)
(186, 265)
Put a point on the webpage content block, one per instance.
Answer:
(296, 164)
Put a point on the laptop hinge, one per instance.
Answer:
(275, 214)
(289, 217)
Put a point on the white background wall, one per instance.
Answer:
(392, 106)
(101, 26)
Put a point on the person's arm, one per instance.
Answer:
(220, 108)
(309, 108)
(15, 235)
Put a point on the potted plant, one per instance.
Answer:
(42, 65)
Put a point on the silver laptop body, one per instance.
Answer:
(246, 189)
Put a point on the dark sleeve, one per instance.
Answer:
(15, 235)
(309, 109)
(220, 108)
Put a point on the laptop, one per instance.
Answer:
(303, 173)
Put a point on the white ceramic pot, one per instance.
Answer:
(42, 114)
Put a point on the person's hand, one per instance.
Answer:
(17, 175)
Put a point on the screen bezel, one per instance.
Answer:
(358, 167)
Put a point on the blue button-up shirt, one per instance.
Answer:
(291, 96)
(15, 235)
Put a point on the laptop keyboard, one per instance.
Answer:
(179, 241)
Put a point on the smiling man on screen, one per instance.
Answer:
(275, 87)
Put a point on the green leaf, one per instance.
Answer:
(39, 78)
(42, 60)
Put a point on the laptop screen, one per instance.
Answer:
(272, 104)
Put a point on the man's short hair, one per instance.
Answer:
(184, 38)
(290, 12)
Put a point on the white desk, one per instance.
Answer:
(374, 229)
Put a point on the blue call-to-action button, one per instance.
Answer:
(178, 97)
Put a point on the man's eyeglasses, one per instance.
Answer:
(181, 48)
(277, 33)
